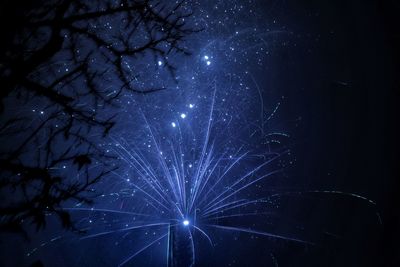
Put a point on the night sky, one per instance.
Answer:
(301, 94)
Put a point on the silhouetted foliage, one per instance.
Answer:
(63, 66)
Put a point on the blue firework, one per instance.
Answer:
(188, 183)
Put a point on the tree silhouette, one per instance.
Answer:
(64, 65)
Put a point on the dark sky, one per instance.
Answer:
(324, 76)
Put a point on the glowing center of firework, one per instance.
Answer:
(186, 222)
